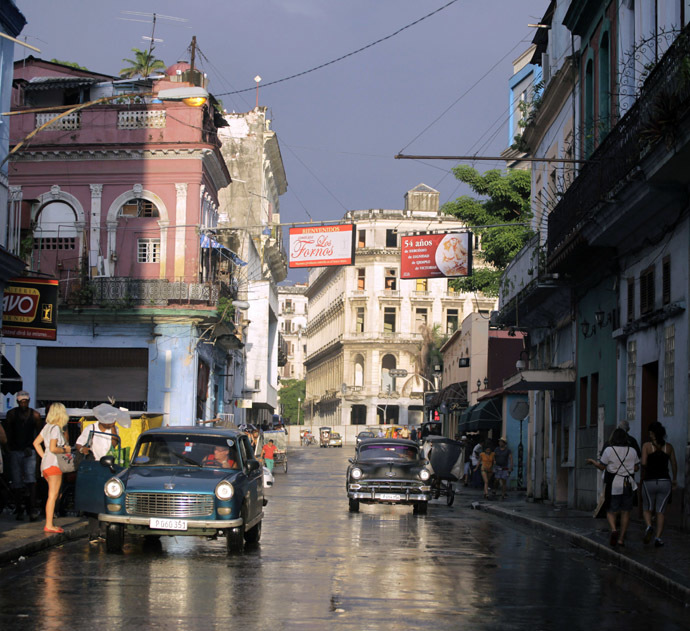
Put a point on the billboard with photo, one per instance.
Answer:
(436, 255)
(322, 246)
(30, 308)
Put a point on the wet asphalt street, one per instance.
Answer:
(320, 567)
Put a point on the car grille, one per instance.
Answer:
(169, 504)
(390, 486)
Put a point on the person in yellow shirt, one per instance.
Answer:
(486, 462)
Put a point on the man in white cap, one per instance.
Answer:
(22, 424)
(98, 438)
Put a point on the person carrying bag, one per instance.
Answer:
(51, 446)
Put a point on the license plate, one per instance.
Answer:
(390, 496)
(157, 523)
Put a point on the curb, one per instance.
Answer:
(602, 552)
(77, 531)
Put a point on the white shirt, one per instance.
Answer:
(620, 460)
(100, 444)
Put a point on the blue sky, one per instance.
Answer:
(338, 127)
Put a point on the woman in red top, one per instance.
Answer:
(267, 452)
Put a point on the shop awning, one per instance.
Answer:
(10, 379)
(485, 415)
(548, 379)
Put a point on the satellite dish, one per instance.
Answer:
(519, 410)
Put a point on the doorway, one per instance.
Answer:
(649, 404)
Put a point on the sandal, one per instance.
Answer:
(56, 529)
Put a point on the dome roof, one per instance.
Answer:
(178, 68)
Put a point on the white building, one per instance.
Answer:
(249, 224)
(292, 323)
(364, 321)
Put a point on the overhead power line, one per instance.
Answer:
(354, 52)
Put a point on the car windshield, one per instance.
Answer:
(166, 450)
(366, 434)
(388, 450)
(335, 436)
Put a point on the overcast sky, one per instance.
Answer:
(438, 87)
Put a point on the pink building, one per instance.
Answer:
(119, 201)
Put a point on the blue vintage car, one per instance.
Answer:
(181, 481)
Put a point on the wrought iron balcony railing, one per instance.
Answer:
(124, 292)
(655, 115)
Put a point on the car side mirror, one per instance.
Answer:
(351, 460)
(108, 461)
(253, 465)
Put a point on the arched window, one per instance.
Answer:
(604, 87)
(359, 371)
(55, 227)
(387, 382)
(138, 207)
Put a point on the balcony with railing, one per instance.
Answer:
(135, 292)
(656, 119)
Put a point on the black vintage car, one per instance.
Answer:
(390, 471)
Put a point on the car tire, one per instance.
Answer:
(114, 538)
(420, 508)
(451, 495)
(354, 506)
(285, 466)
(234, 540)
(253, 535)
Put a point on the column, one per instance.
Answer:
(14, 220)
(111, 251)
(95, 230)
(180, 230)
(163, 225)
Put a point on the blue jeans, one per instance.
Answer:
(22, 468)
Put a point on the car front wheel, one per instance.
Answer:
(114, 538)
(354, 506)
(253, 534)
(420, 508)
(234, 540)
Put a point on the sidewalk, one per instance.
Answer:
(21, 538)
(667, 568)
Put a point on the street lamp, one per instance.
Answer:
(299, 405)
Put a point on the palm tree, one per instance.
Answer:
(143, 64)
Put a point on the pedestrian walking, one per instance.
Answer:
(503, 466)
(268, 452)
(657, 484)
(50, 442)
(467, 450)
(22, 424)
(413, 434)
(487, 461)
(621, 460)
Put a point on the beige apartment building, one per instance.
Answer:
(364, 321)
(292, 324)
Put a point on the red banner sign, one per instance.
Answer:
(436, 255)
(322, 246)
(30, 308)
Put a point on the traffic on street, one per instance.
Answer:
(320, 566)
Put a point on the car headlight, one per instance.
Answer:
(224, 491)
(356, 473)
(114, 488)
(424, 475)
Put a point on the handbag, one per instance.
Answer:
(66, 462)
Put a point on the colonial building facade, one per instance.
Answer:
(116, 201)
(293, 327)
(365, 321)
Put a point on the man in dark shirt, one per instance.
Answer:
(22, 424)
